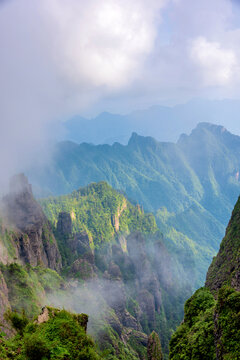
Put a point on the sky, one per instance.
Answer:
(59, 58)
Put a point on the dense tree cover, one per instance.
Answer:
(211, 327)
(61, 337)
(101, 211)
(224, 267)
(194, 339)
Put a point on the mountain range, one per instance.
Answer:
(90, 251)
(191, 186)
(164, 123)
(93, 250)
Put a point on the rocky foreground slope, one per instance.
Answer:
(211, 327)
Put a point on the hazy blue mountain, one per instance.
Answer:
(191, 186)
(162, 122)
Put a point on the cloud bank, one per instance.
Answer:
(59, 58)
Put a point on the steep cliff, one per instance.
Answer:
(28, 252)
(26, 234)
(210, 329)
(225, 267)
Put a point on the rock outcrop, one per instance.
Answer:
(34, 241)
(64, 225)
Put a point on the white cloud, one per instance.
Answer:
(217, 64)
(104, 42)
(58, 57)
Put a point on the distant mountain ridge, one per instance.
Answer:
(163, 122)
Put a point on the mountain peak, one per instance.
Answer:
(140, 139)
(204, 128)
(211, 127)
(134, 137)
(19, 183)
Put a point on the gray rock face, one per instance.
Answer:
(83, 268)
(78, 243)
(35, 242)
(64, 225)
(146, 302)
(129, 321)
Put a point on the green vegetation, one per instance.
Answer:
(113, 348)
(107, 217)
(194, 339)
(28, 286)
(211, 327)
(154, 348)
(228, 311)
(224, 266)
(100, 211)
(195, 180)
(8, 250)
(102, 220)
(62, 337)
